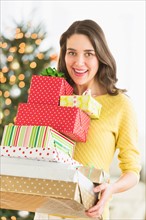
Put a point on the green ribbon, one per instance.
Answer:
(52, 72)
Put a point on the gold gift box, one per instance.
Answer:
(46, 196)
(66, 198)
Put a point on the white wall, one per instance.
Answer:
(123, 23)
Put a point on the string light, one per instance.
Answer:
(10, 58)
(5, 69)
(21, 76)
(22, 45)
(21, 50)
(3, 79)
(12, 79)
(4, 45)
(6, 112)
(40, 56)
(19, 35)
(38, 41)
(6, 94)
(8, 101)
(15, 65)
(33, 65)
(13, 49)
(34, 36)
(21, 84)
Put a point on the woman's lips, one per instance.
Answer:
(80, 72)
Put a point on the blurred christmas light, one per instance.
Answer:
(15, 91)
(3, 79)
(33, 65)
(6, 112)
(13, 218)
(23, 214)
(6, 94)
(13, 49)
(15, 65)
(21, 84)
(22, 45)
(21, 50)
(38, 41)
(53, 57)
(8, 101)
(12, 79)
(4, 45)
(34, 36)
(40, 56)
(19, 36)
(28, 49)
(10, 58)
(3, 218)
(5, 69)
(21, 76)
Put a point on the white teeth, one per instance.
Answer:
(80, 71)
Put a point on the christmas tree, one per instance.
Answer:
(21, 57)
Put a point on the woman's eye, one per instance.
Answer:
(89, 54)
(71, 53)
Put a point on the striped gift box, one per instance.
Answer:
(36, 136)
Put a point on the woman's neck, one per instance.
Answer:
(96, 89)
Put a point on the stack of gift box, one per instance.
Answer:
(47, 128)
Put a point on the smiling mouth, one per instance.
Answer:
(80, 72)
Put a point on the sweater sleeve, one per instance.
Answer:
(127, 140)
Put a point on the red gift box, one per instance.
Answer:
(70, 121)
(47, 89)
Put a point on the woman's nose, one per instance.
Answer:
(80, 60)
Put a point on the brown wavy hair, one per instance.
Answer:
(106, 73)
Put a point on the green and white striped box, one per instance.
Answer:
(36, 137)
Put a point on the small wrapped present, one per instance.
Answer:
(47, 187)
(47, 89)
(45, 154)
(85, 102)
(37, 137)
(70, 121)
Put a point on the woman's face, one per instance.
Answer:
(80, 58)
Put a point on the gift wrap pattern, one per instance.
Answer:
(44, 154)
(70, 121)
(36, 136)
(60, 197)
(47, 90)
(85, 102)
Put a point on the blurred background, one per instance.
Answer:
(30, 33)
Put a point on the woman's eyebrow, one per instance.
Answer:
(87, 50)
(70, 49)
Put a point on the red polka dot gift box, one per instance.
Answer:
(48, 89)
(70, 121)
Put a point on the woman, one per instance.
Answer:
(88, 64)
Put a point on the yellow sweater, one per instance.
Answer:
(115, 129)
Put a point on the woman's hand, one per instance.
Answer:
(106, 191)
